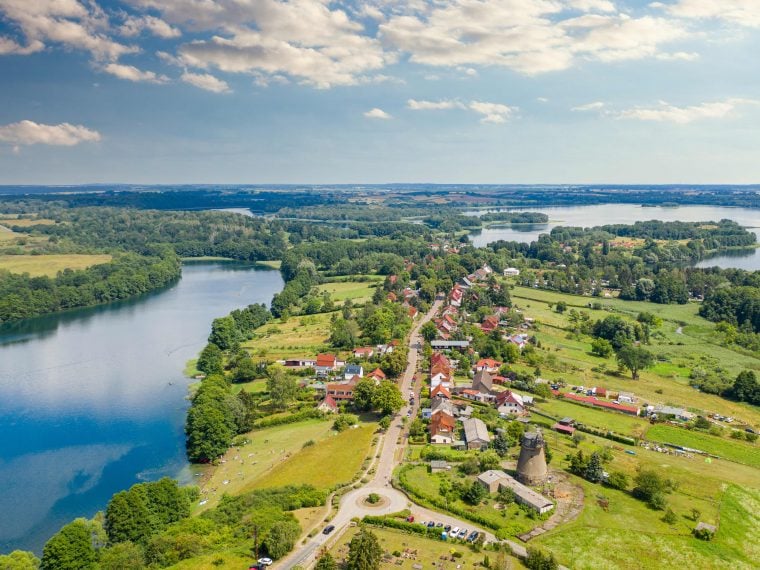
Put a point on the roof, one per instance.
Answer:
(364, 350)
(509, 396)
(438, 464)
(377, 373)
(475, 430)
(442, 405)
(440, 390)
(353, 369)
(329, 402)
(528, 495)
(482, 381)
(450, 343)
(488, 362)
(564, 428)
(326, 360)
(442, 422)
(491, 476)
(602, 403)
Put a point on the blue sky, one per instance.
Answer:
(270, 91)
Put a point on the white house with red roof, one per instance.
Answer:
(488, 364)
(327, 363)
(510, 403)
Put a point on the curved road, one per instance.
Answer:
(394, 442)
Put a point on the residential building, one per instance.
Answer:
(446, 344)
(377, 375)
(511, 272)
(328, 405)
(352, 370)
(475, 433)
(488, 364)
(440, 391)
(482, 382)
(342, 391)
(326, 363)
(510, 403)
(442, 428)
(364, 352)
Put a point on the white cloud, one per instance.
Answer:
(131, 73)
(26, 133)
(678, 56)
(416, 105)
(377, 114)
(666, 112)
(527, 36)
(206, 81)
(11, 47)
(739, 12)
(542, 99)
(596, 105)
(310, 41)
(75, 24)
(490, 112)
(135, 25)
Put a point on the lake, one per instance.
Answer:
(94, 400)
(589, 216)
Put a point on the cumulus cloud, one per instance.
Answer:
(527, 36)
(131, 73)
(595, 106)
(666, 112)
(739, 12)
(377, 113)
(490, 112)
(75, 24)
(135, 25)
(26, 133)
(11, 47)
(206, 81)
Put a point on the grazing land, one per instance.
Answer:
(729, 449)
(49, 265)
(297, 336)
(358, 292)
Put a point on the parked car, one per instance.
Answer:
(447, 528)
(265, 561)
(328, 529)
(431, 524)
(455, 531)
(439, 524)
(462, 533)
(473, 536)
(410, 519)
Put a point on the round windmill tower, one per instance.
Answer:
(531, 466)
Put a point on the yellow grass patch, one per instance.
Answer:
(37, 265)
(299, 336)
(26, 222)
(327, 463)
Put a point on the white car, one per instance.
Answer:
(454, 531)
(265, 561)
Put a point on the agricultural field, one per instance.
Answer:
(619, 423)
(730, 449)
(358, 292)
(613, 521)
(427, 552)
(50, 265)
(683, 341)
(266, 449)
(304, 335)
(343, 452)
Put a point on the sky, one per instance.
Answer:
(313, 91)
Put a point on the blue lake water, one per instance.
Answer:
(589, 216)
(93, 401)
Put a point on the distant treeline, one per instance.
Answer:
(516, 217)
(129, 274)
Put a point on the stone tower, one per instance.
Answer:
(531, 467)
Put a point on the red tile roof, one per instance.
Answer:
(602, 403)
(326, 360)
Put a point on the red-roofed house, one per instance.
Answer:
(342, 391)
(364, 352)
(328, 405)
(488, 364)
(490, 324)
(442, 428)
(413, 312)
(440, 391)
(327, 363)
(377, 374)
(510, 403)
(392, 297)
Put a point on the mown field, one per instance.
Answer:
(50, 265)
(427, 552)
(358, 292)
(730, 449)
(344, 453)
(267, 449)
(298, 336)
(684, 340)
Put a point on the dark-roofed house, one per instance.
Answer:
(352, 370)
(482, 382)
(475, 433)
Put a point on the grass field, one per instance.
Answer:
(681, 347)
(357, 292)
(429, 553)
(730, 449)
(268, 448)
(618, 423)
(25, 222)
(344, 453)
(50, 265)
(298, 336)
(230, 559)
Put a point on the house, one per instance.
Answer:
(299, 362)
(442, 428)
(377, 375)
(392, 297)
(491, 479)
(439, 359)
(342, 391)
(445, 344)
(475, 433)
(436, 466)
(520, 340)
(413, 312)
(352, 370)
(326, 363)
(440, 391)
(488, 364)
(464, 412)
(383, 349)
(482, 382)
(328, 405)
(510, 403)
(441, 406)
(474, 395)
(511, 272)
(490, 324)
(364, 352)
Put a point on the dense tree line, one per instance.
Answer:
(127, 275)
(515, 217)
(739, 306)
